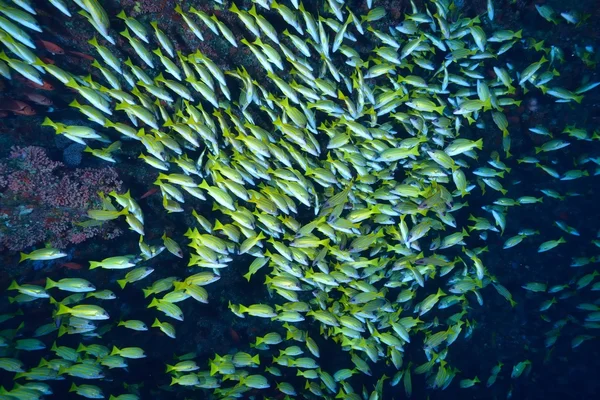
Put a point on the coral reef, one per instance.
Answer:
(41, 202)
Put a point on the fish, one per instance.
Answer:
(106, 215)
(88, 391)
(137, 28)
(135, 325)
(128, 352)
(77, 285)
(116, 262)
(81, 55)
(330, 169)
(135, 275)
(90, 312)
(549, 245)
(51, 47)
(18, 107)
(38, 99)
(45, 254)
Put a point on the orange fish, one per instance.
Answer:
(47, 60)
(17, 107)
(71, 265)
(234, 335)
(149, 192)
(26, 111)
(51, 47)
(81, 55)
(38, 98)
(45, 86)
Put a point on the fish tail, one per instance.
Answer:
(62, 309)
(93, 41)
(62, 330)
(153, 303)
(48, 122)
(126, 34)
(50, 283)
(94, 264)
(115, 350)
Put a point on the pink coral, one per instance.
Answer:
(41, 202)
(34, 159)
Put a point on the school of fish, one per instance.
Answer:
(337, 160)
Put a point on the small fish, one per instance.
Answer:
(550, 244)
(135, 275)
(44, 254)
(90, 312)
(33, 291)
(566, 228)
(490, 10)
(38, 98)
(77, 285)
(166, 328)
(117, 262)
(88, 391)
(81, 55)
(106, 215)
(519, 368)
(183, 366)
(150, 192)
(134, 324)
(128, 352)
(17, 107)
(51, 47)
